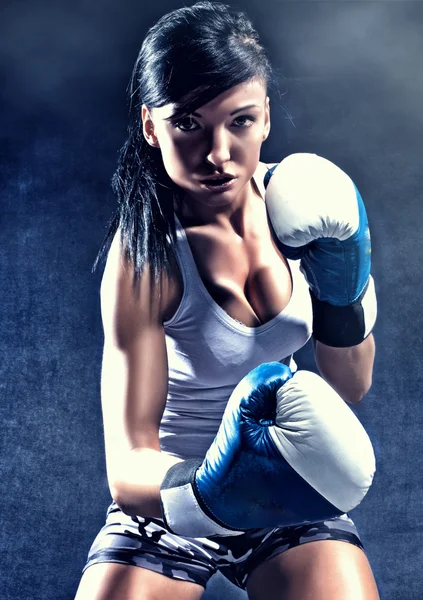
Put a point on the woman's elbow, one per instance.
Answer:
(355, 393)
(123, 500)
(116, 494)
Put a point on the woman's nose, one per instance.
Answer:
(219, 148)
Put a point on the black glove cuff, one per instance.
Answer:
(339, 326)
(180, 474)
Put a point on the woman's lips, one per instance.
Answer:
(215, 187)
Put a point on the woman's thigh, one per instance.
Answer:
(114, 581)
(319, 570)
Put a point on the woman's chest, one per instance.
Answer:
(246, 276)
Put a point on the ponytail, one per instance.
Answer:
(145, 209)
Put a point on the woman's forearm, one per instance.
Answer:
(347, 370)
(141, 473)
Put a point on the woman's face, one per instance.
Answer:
(223, 136)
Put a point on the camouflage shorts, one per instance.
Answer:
(145, 542)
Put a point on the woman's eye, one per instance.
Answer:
(185, 124)
(244, 121)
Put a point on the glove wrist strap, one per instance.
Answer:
(183, 510)
(344, 326)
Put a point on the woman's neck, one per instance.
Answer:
(192, 213)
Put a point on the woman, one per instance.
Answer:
(194, 295)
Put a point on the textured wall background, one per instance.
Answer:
(352, 91)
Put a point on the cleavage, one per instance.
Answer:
(250, 280)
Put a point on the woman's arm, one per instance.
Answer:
(347, 370)
(134, 382)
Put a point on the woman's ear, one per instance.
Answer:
(148, 127)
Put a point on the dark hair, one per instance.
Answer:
(190, 56)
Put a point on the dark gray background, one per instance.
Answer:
(351, 76)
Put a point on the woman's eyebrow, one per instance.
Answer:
(196, 114)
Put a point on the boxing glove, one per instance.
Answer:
(317, 215)
(288, 451)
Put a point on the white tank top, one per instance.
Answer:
(209, 352)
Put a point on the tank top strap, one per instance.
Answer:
(185, 258)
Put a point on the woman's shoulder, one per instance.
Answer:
(268, 165)
(117, 284)
(259, 176)
(265, 166)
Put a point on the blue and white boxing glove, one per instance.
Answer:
(288, 451)
(318, 216)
